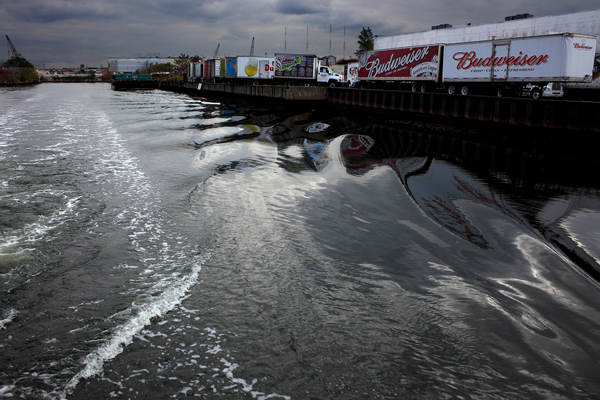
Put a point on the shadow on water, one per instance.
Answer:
(542, 183)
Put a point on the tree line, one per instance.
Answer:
(18, 71)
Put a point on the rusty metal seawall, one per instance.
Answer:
(270, 91)
(542, 113)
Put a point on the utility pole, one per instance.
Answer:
(344, 42)
(306, 39)
(329, 39)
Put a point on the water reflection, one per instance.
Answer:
(541, 187)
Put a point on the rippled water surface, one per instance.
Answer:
(158, 245)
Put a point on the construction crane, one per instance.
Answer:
(216, 51)
(12, 49)
(252, 48)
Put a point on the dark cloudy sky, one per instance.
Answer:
(61, 33)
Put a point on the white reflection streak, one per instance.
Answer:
(568, 226)
(532, 250)
(424, 232)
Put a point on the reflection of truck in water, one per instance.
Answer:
(500, 66)
(302, 69)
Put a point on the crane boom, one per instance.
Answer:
(216, 51)
(12, 50)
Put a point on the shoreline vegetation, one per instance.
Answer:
(17, 71)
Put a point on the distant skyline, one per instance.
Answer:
(67, 33)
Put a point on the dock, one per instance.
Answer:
(555, 114)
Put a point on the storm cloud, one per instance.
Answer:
(66, 33)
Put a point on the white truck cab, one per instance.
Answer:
(327, 76)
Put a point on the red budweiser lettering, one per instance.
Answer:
(469, 59)
(377, 67)
(580, 46)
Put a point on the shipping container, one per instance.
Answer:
(212, 69)
(229, 67)
(194, 71)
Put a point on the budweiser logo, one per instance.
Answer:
(581, 46)
(469, 59)
(377, 67)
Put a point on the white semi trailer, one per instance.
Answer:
(524, 25)
(499, 66)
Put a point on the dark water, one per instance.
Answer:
(154, 245)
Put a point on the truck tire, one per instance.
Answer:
(423, 88)
(451, 89)
(414, 88)
(536, 93)
(332, 84)
(464, 90)
(500, 93)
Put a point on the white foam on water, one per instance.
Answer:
(9, 315)
(141, 315)
(36, 231)
(245, 386)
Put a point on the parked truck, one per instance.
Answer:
(522, 25)
(500, 66)
(301, 69)
(255, 69)
(588, 90)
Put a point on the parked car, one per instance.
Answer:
(553, 89)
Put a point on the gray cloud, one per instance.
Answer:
(48, 11)
(305, 7)
(68, 33)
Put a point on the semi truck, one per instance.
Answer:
(522, 25)
(500, 66)
(302, 69)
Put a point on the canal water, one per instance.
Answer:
(157, 245)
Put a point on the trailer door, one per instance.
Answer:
(263, 69)
(500, 51)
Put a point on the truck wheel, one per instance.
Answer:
(255, 83)
(536, 93)
(500, 93)
(451, 89)
(414, 88)
(307, 84)
(290, 83)
(331, 83)
(464, 90)
(423, 88)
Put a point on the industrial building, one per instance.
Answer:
(521, 25)
(118, 65)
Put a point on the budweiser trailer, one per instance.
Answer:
(522, 25)
(510, 64)
(415, 67)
